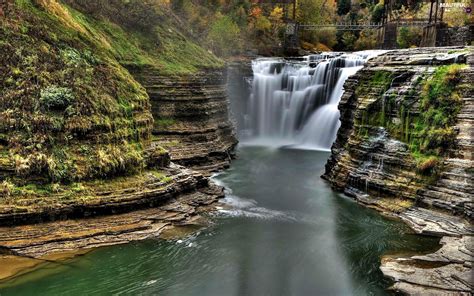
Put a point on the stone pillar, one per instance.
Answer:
(390, 36)
(429, 36)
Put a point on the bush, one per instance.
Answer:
(6, 189)
(56, 98)
(367, 40)
(427, 165)
(409, 37)
(224, 36)
(348, 39)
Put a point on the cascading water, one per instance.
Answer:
(295, 102)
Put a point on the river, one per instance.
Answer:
(288, 233)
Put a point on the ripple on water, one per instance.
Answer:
(242, 207)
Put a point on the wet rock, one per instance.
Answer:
(39, 240)
(447, 271)
(370, 165)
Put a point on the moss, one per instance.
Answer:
(163, 123)
(381, 79)
(429, 133)
(396, 205)
(440, 105)
(53, 97)
(453, 51)
(63, 90)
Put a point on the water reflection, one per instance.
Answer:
(289, 235)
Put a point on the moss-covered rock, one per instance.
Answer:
(69, 109)
(406, 131)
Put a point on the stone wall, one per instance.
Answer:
(441, 35)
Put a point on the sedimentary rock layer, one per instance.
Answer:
(191, 116)
(379, 167)
(124, 194)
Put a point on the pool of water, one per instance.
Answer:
(288, 233)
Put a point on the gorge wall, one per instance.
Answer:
(96, 99)
(405, 147)
(191, 116)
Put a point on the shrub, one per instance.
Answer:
(348, 39)
(224, 36)
(33, 164)
(367, 40)
(6, 189)
(56, 98)
(427, 165)
(409, 37)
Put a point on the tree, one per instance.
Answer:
(343, 7)
(408, 37)
(367, 40)
(317, 12)
(348, 39)
(224, 36)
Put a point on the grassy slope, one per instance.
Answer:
(69, 110)
(156, 40)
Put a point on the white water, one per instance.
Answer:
(295, 102)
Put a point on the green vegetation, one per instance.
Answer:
(56, 98)
(140, 34)
(379, 83)
(73, 120)
(24, 195)
(426, 164)
(409, 37)
(224, 36)
(440, 105)
(430, 133)
(162, 123)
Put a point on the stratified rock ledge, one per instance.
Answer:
(376, 168)
(445, 272)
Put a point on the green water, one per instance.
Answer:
(289, 234)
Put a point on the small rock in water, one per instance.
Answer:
(179, 241)
(151, 282)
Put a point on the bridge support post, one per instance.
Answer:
(388, 35)
(291, 42)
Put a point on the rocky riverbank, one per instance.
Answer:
(385, 158)
(102, 115)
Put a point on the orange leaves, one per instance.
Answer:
(255, 12)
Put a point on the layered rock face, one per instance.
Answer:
(191, 116)
(80, 137)
(378, 157)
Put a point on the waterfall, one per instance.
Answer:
(294, 103)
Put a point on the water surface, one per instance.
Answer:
(289, 234)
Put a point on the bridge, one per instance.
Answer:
(348, 26)
(386, 30)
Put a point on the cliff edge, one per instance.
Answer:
(405, 147)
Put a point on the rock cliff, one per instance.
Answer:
(92, 94)
(405, 147)
(191, 116)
